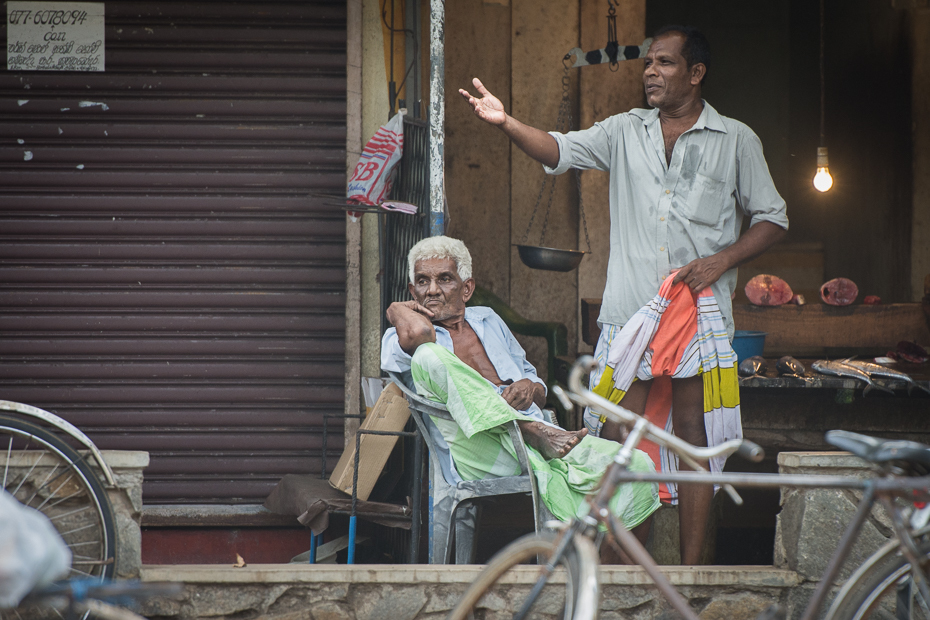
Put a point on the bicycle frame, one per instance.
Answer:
(875, 489)
(884, 490)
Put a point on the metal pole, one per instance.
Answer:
(437, 111)
(416, 498)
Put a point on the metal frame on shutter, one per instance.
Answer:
(168, 280)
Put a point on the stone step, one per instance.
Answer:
(401, 592)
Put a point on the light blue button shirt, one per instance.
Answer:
(663, 216)
(505, 353)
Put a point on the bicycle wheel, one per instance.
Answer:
(885, 590)
(578, 599)
(43, 472)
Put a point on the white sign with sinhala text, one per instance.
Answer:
(54, 36)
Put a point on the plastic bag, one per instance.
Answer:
(371, 181)
(32, 554)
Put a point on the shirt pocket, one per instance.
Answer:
(707, 200)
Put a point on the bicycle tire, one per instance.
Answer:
(580, 560)
(885, 590)
(43, 472)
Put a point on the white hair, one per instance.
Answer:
(441, 247)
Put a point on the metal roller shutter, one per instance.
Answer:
(168, 281)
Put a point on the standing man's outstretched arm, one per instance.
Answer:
(534, 142)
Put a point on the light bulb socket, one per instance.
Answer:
(822, 160)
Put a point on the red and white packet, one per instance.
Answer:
(371, 181)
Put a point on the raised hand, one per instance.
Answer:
(488, 108)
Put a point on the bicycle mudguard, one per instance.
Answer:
(589, 599)
(67, 427)
(879, 556)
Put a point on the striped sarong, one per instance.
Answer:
(481, 447)
(676, 336)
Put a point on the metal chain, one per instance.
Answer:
(563, 124)
(612, 46)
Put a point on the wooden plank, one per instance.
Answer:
(590, 332)
(816, 328)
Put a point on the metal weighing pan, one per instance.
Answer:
(550, 259)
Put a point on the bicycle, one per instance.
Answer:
(891, 583)
(43, 471)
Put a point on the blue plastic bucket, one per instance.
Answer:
(747, 343)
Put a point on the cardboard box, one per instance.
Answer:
(390, 413)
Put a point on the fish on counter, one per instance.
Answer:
(787, 366)
(754, 366)
(839, 292)
(909, 352)
(842, 369)
(877, 370)
(766, 290)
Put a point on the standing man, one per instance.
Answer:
(682, 178)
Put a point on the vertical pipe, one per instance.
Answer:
(351, 559)
(313, 541)
(412, 56)
(437, 110)
(416, 498)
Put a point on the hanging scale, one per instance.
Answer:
(540, 256)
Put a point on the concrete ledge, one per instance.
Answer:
(816, 461)
(424, 592)
(214, 515)
(126, 499)
(749, 576)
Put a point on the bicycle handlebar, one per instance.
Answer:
(686, 451)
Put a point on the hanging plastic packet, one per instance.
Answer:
(371, 181)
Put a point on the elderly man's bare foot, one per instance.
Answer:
(552, 442)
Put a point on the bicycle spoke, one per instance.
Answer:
(920, 600)
(41, 486)
(77, 529)
(6, 468)
(64, 499)
(68, 514)
(80, 572)
(28, 473)
(55, 492)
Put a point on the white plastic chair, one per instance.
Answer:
(452, 502)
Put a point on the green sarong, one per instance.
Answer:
(481, 446)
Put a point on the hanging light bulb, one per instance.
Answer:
(822, 180)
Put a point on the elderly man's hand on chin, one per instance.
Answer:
(413, 325)
(523, 393)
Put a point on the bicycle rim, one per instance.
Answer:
(887, 591)
(489, 599)
(43, 472)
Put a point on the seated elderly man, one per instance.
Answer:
(468, 359)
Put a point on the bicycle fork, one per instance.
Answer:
(918, 576)
(568, 535)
